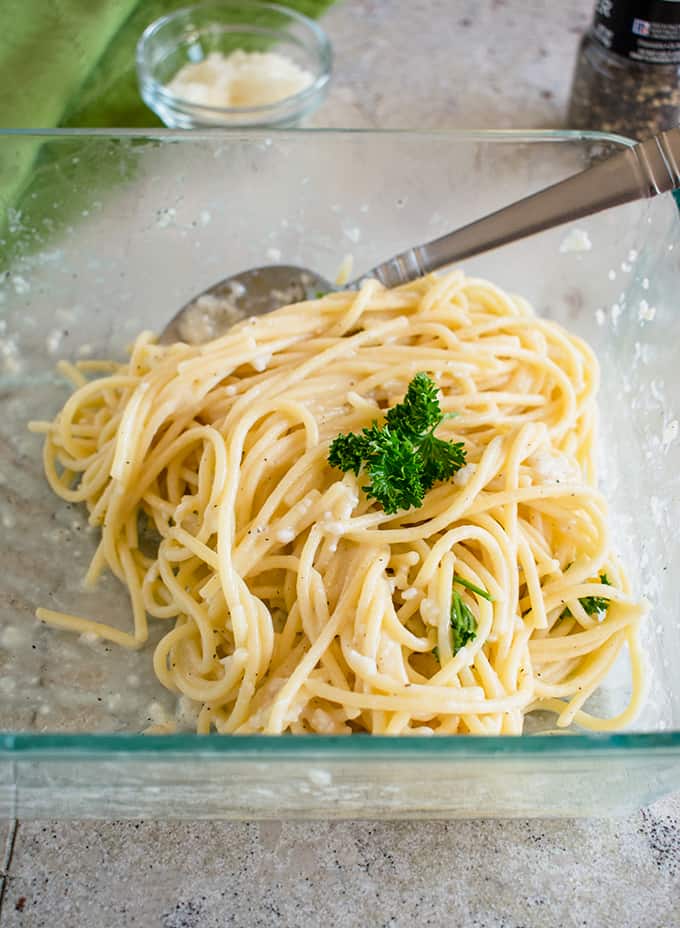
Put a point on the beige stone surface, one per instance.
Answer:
(399, 63)
(486, 874)
(452, 63)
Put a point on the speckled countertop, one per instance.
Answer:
(399, 63)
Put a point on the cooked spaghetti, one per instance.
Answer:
(294, 601)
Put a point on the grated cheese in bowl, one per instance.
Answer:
(240, 79)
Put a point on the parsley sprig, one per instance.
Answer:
(473, 587)
(463, 621)
(593, 605)
(403, 458)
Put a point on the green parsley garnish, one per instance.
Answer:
(402, 458)
(593, 605)
(463, 623)
(473, 588)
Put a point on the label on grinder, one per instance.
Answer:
(647, 31)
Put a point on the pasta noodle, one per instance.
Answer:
(295, 603)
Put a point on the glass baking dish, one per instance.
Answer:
(111, 235)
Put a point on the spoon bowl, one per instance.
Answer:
(250, 293)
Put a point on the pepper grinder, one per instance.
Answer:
(627, 76)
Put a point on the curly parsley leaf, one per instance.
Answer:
(395, 473)
(463, 622)
(402, 458)
(419, 412)
(593, 605)
(347, 452)
(441, 459)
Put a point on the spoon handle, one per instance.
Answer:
(639, 172)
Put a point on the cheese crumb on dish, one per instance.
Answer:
(240, 79)
(575, 240)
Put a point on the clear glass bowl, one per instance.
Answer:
(112, 235)
(189, 35)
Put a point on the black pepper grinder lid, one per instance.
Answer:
(645, 31)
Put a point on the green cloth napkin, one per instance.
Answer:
(47, 52)
(72, 63)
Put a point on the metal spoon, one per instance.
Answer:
(639, 172)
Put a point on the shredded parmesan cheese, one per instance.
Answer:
(240, 79)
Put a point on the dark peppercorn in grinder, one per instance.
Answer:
(627, 77)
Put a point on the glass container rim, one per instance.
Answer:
(258, 133)
(31, 745)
